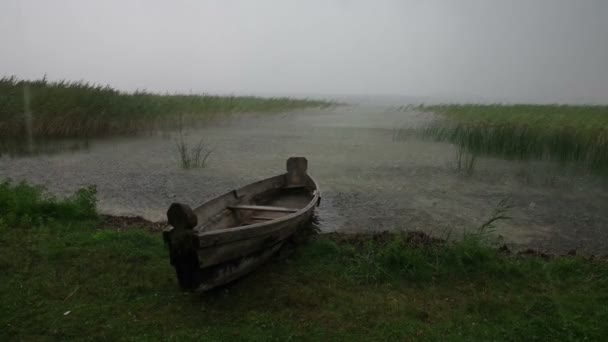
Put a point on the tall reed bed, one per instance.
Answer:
(554, 132)
(78, 109)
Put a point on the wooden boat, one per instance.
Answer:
(231, 235)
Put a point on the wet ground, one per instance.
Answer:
(369, 181)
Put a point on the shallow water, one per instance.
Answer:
(368, 180)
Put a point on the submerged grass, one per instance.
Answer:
(561, 133)
(43, 109)
(63, 278)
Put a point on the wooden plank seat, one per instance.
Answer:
(296, 186)
(258, 219)
(263, 208)
(264, 218)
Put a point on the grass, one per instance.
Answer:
(41, 109)
(63, 278)
(560, 133)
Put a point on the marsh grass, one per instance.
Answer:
(559, 133)
(465, 160)
(64, 278)
(487, 228)
(195, 156)
(41, 109)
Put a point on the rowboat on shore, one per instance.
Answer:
(231, 235)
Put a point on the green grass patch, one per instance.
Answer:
(63, 278)
(79, 109)
(23, 205)
(561, 133)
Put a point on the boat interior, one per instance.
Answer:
(272, 205)
(259, 202)
(263, 201)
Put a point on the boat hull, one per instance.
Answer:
(224, 243)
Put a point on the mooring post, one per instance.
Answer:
(183, 245)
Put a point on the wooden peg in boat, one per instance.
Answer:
(181, 216)
(296, 170)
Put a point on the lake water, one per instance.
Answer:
(369, 181)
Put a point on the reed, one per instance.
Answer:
(64, 109)
(561, 133)
(193, 156)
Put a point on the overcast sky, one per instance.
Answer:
(497, 50)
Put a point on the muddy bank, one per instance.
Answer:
(123, 223)
(370, 182)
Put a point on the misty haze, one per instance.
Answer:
(290, 170)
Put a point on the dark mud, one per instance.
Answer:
(123, 223)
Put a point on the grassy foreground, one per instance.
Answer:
(555, 132)
(63, 278)
(78, 109)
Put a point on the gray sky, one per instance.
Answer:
(496, 50)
